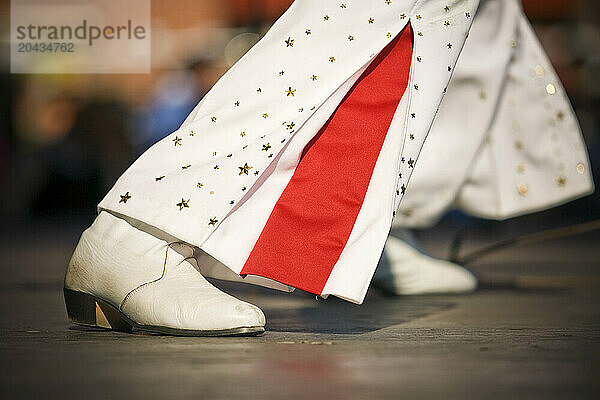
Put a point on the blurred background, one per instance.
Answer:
(65, 139)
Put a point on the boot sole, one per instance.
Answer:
(87, 310)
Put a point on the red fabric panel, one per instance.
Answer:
(312, 220)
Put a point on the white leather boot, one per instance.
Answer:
(403, 270)
(121, 277)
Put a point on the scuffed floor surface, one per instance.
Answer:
(524, 335)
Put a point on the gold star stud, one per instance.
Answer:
(289, 42)
(244, 169)
(446, 23)
(314, 77)
(468, 14)
(213, 221)
(402, 16)
(331, 59)
(265, 115)
(290, 92)
(326, 18)
(371, 20)
(199, 185)
(350, 38)
(266, 147)
(243, 133)
(159, 178)
(418, 17)
(177, 141)
(183, 204)
(446, 8)
(192, 133)
(213, 119)
(561, 180)
(342, 5)
(449, 45)
(308, 31)
(124, 197)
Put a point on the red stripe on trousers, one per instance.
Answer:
(314, 216)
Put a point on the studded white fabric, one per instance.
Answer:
(505, 141)
(214, 181)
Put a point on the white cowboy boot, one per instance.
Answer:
(403, 270)
(121, 277)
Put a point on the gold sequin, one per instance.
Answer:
(520, 168)
(550, 89)
(539, 71)
(580, 168)
(523, 189)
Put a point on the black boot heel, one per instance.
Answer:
(85, 309)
